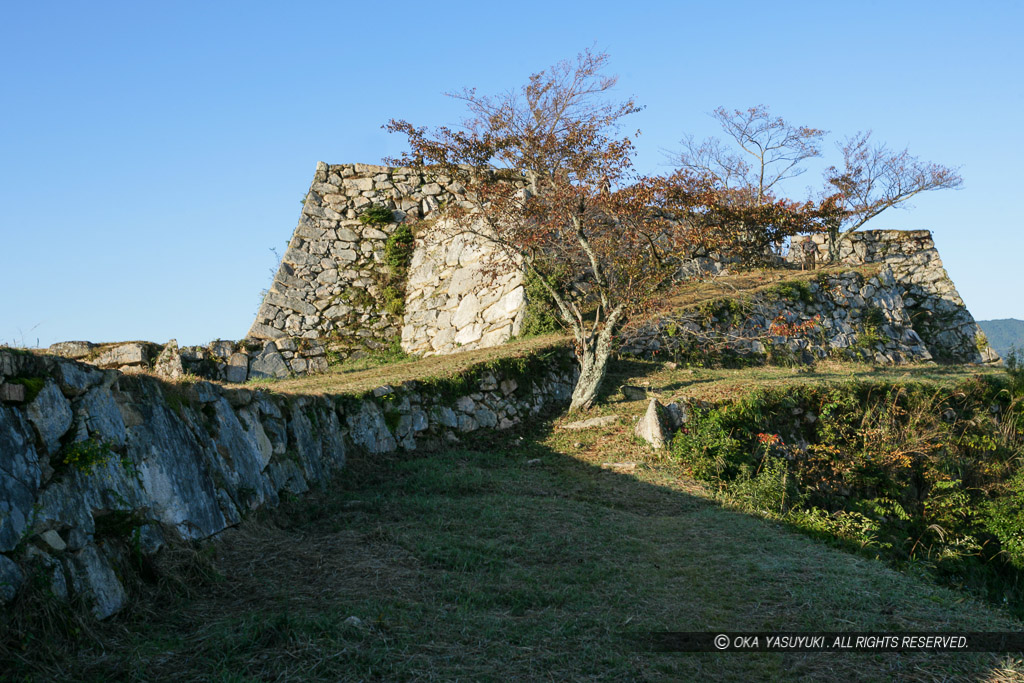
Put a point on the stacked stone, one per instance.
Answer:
(328, 283)
(99, 465)
(460, 294)
(854, 316)
(931, 299)
(220, 361)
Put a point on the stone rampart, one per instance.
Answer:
(931, 300)
(98, 465)
(461, 294)
(332, 281)
(852, 315)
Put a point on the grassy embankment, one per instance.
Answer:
(532, 554)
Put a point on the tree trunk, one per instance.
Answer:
(593, 366)
(834, 239)
(592, 371)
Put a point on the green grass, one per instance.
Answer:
(360, 375)
(525, 556)
(475, 564)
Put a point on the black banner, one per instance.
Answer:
(791, 641)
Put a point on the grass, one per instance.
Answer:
(525, 557)
(751, 282)
(357, 376)
(715, 384)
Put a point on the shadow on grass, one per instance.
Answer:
(515, 556)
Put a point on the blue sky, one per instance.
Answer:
(151, 157)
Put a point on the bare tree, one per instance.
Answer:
(875, 178)
(770, 150)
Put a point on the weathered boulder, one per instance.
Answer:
(653, 426)
(20, 475)
(269, 363)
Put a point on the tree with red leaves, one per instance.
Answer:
(600, 239)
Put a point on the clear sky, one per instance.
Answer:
(152, 155)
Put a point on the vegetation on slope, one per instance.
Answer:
(927, 478)
(536, 554)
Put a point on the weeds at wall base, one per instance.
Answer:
(931, 480)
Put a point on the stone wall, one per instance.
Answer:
(461, 295)
(220, 361)
(853, 315)
(938, 313)
(330, 284)
(98, 464)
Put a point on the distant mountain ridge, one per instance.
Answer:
(1004, 333)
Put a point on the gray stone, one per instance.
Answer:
(20, 476)
(445, 416)
(591, 423)
(12, 393)
(465, 404)
(678, 414)
(11, 578)
(651, 427)
(93, 577)
(369, 430)
(173, 476)
(269, 363)
(221, 348)
(633, 393)
(75, 379)
(72, 349)
(485, 417)
(53, 539)
(286, 345)
(237, 370)
(122, 354)
(261, 331)
(419, 420)
(291, 303)
(50, 413)
(102, 416)
(168, 362)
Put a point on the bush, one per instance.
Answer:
(925, 478)
(708, 449)
(541, 316)
(376, 214)
(397, 255)
(772, 489)
(1014, 364)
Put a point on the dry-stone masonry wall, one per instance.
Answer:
(897, 305)
(938, 313)
(330, 284)
(221, 360)
(460, 295)
(98, 464)
(852, 315)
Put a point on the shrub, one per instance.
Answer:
(708, 449)
(541, 316)
(376, 214)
